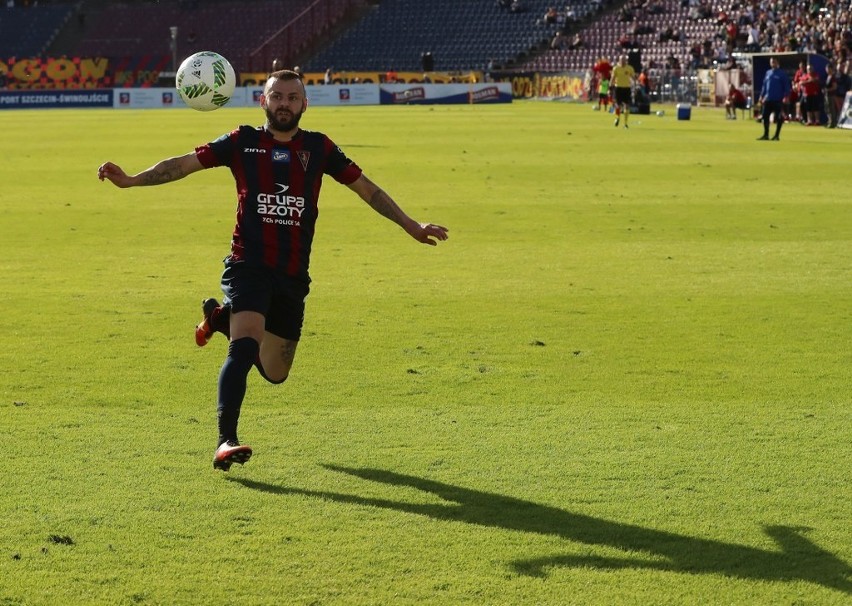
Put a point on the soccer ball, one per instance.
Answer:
(205, 81)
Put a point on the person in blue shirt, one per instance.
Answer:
(776, 86)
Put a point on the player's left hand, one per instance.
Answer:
(114, 174)
(429, 233)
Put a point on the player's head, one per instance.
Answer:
(773, 62)
(284, 100)
(623, 59)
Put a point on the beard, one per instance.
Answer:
(278, 121)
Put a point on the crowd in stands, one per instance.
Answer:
(750, 26)
(676, 34)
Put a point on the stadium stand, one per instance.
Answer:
(28, 31)
(670, 35)
(234, 29)
(459, 35)
(612, 35)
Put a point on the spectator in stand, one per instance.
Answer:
(735, 100)
(706, 53)
(721, 53)
(517, 7)
(656, 8)
(695, 56)
(831, 110)
(694, 14)
(577, 43)
(570, 15)
(558, 42)
(812, 89)
(776, 87)
(672, 62)
(731, 33)
(753, 40)
(731, 63)
(550, 15)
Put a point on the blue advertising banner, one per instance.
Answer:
(29, 99)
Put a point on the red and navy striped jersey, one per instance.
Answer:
(278, 186)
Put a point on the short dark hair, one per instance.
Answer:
(285, 74)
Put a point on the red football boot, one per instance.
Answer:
(231, 452)
(216, 319)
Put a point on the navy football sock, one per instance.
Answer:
(232, 385)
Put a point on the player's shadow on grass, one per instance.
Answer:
(796, 559)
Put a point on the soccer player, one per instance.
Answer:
(623, 77)
(278, 169)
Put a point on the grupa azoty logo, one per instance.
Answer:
(280, 207)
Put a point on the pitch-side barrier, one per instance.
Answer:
(249, 96)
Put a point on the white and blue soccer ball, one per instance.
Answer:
(205, 81)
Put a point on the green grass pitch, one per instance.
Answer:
(625, 379)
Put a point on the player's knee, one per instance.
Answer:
(242, 353)
(275, 380)
(274, 376)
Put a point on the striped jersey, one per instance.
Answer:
(278, 185)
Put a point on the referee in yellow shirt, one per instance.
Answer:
(623, 77)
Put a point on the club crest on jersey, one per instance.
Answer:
(304, 156)
(281, 155)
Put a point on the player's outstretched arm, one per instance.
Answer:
(165, 171)
(382, 203)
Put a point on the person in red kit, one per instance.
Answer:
(735, 100)
(602, 69)
(797, 96)
(811, 89)
(278, 170)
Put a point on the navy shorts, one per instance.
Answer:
(280, 299)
